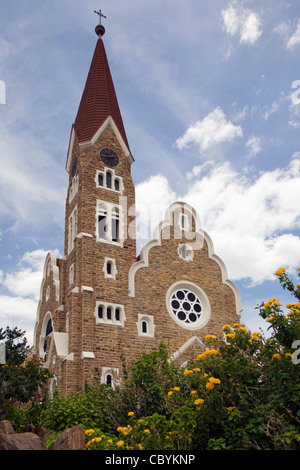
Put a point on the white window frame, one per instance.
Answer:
(183, 222)
(113, 372)
(71, 273)
(149, 319)
(74, 188)
(205, 304)
(112, 321)
(114, 177)
(73, 227)
(189, 252)
(114, 270)
(109, 209)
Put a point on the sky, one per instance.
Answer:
(210, 98)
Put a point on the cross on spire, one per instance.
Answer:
(99, 13)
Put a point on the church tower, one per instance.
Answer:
(100, 300)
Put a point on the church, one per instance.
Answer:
(102, 299)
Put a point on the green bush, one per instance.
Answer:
(241, 393)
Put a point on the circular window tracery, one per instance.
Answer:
(188, 305)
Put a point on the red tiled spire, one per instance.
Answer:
(99, 99)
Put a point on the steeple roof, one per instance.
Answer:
(99, 99)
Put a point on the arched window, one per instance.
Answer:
(100, 179)
(117, 185)
(117, 314)
(102, 222)
(100, 312)
(108, 313)
(144, 327)
(49, 330)
(108, 179)
(109, 268)
(108, 379)
(115, 224)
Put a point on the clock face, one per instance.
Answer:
(109, 157)
(74, 166)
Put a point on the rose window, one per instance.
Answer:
(186, 306)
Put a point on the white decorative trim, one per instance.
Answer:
(114, 372)
(49, 266)
(107, 208)
(61, 341)
(87, 289)
(83, 234)
(114, 177)
(87, 355)
(110, 121)
(69, 357)
(74, 291)
(201, 235)
(114, 270)
(149, 319)
(205, 304)
(113, 308)
(185, 252)
(186, 346)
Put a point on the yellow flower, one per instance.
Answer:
(268, 304)
(288, 355)
(187, 372)
(177, 389)
(279, 272)
(230, 408)
(298, 285)
(242, 328)
(210, 337)
(146, 431)
(276, 303)
(170, 394)
(269, 319)
(276, 356)
(98, 439)
(212, 380)
(297, 305)
(256, 333)
(230, 335)
(131, 413)
(193, 392)
(199, 401)
(140, 446)
(120, 443)
(89, 431)
(225, 327)
(209, 386)
(208, 352)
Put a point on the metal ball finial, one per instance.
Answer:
(99, 30)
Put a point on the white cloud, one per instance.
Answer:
(20, 290)
(295, 38)
(242, 21)
(254, 146)
(212, 130)
(154, 196)
(249, 221)
(26, 281)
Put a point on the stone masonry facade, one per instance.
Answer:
(100, 300)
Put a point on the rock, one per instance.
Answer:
(71, 439)
(6, 427)
(22, 441)
(43, 433)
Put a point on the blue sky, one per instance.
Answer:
(210, 97)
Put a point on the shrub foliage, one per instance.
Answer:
(241, 393)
